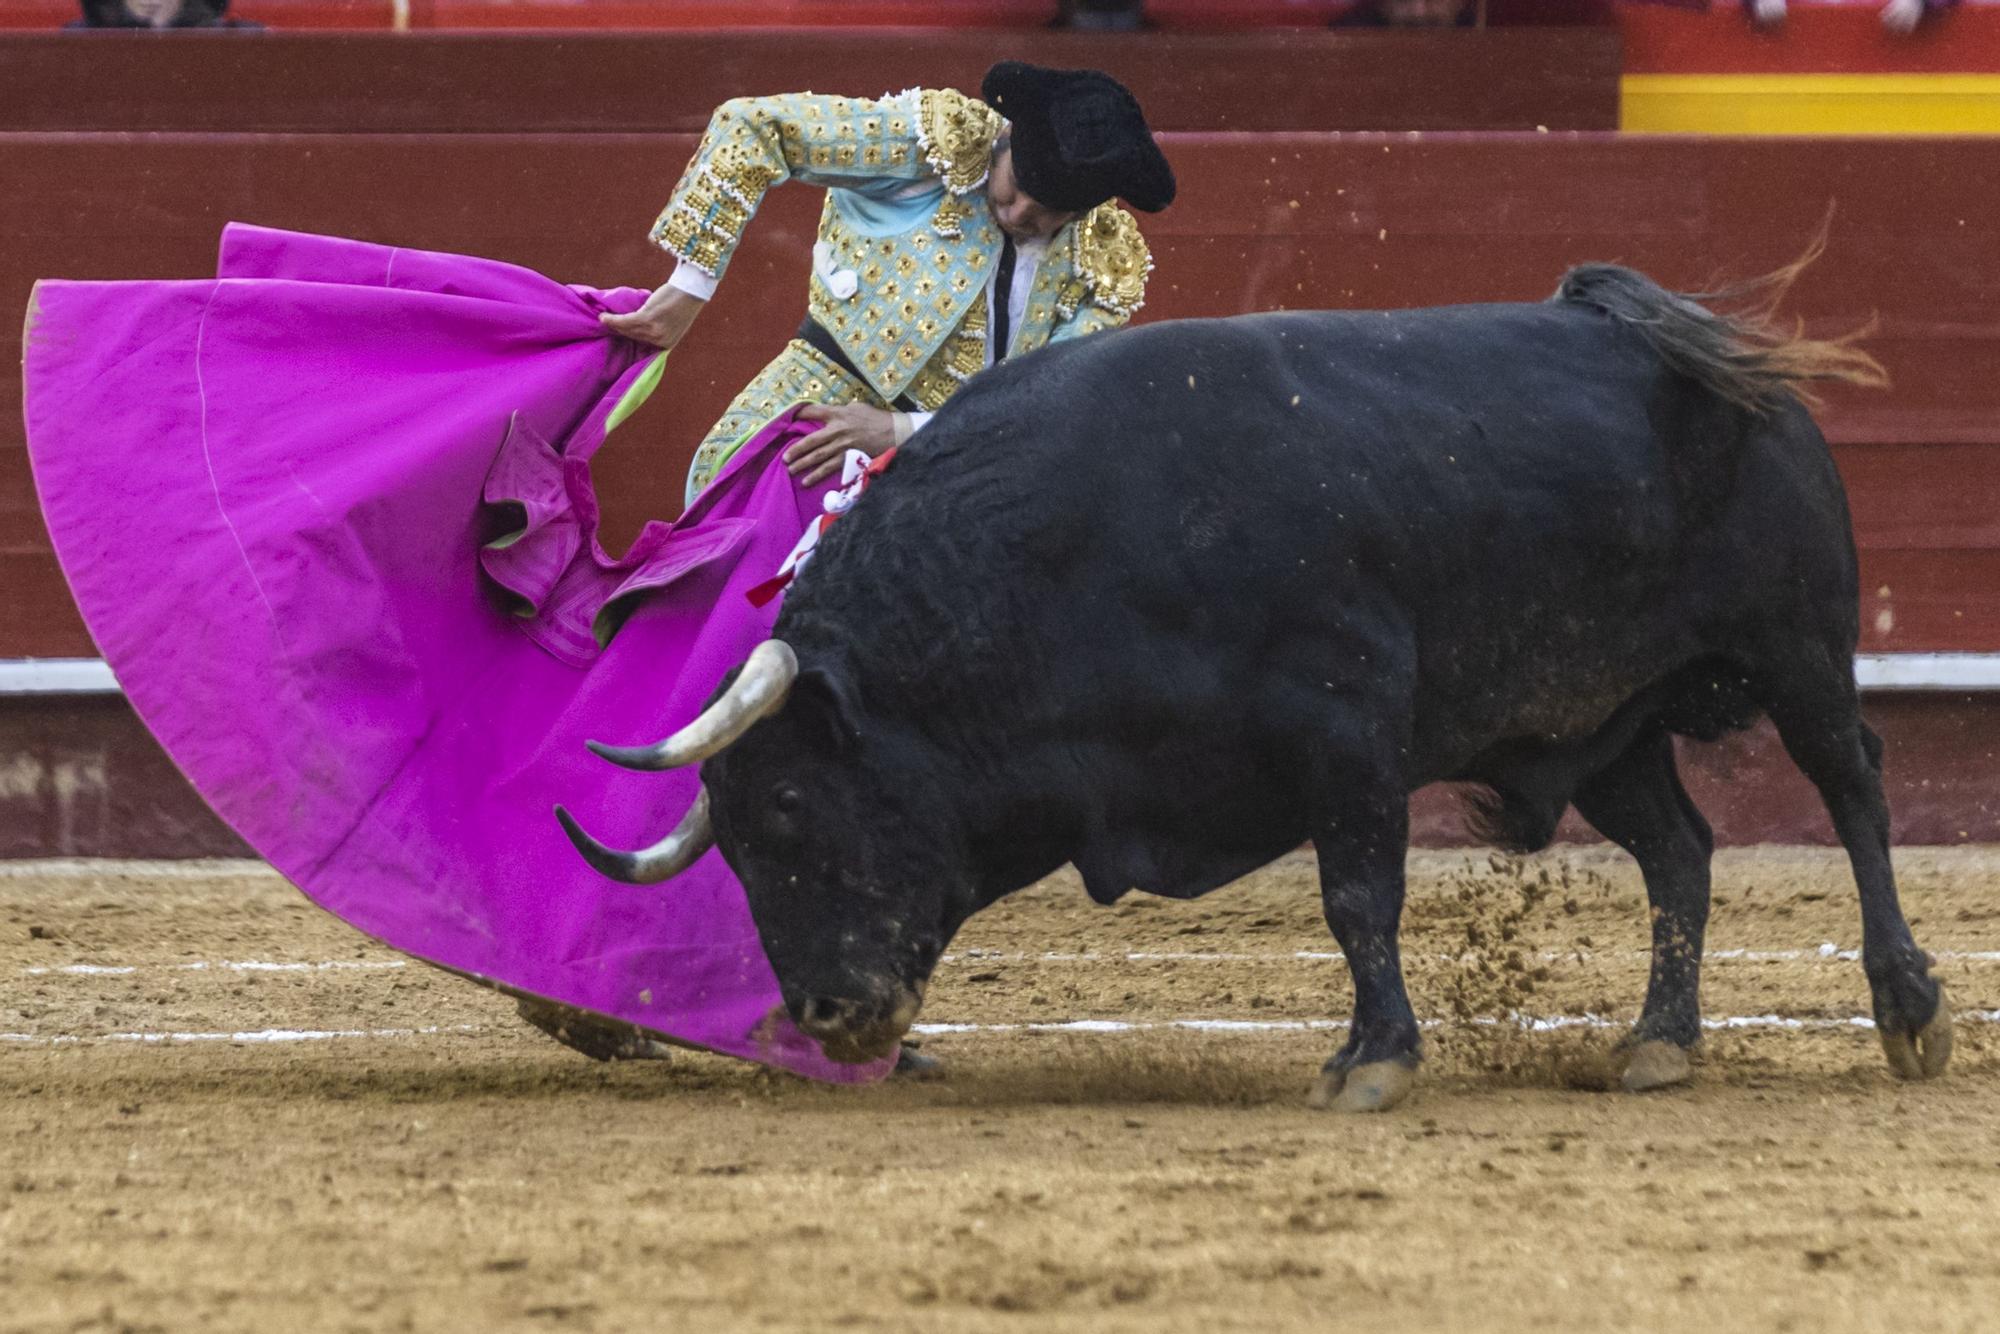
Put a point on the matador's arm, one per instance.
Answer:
(754, 143)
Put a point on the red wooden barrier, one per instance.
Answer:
(1284, 220)
(485, 83)
(515, 163)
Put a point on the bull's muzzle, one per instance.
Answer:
(758, 691)
(855, 1032)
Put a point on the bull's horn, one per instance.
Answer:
(758, 690)
(664, 860)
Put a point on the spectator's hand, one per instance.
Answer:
(1902, 16)
(817, 457)
(1767, 13)
(662, 321)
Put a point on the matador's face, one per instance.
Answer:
(1019, 213)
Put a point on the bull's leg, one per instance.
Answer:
(1638, 803)
(598, 1038)
(1361, 852)
(1823, 733)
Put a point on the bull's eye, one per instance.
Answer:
(781, 821)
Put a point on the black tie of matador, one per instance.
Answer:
(1003, 299)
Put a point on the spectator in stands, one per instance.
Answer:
(1898, 16)
(1102, 15)
(158, 14)
(1408, 14)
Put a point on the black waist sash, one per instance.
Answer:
(812, 333)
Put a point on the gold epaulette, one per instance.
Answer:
(1112, 260)
(956, 134)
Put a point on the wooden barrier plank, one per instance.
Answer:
(1923, 497)
(1246, 235)
(20, 517)
(613, 82)
(38, 616)
(1295, 220)
(1924, 600)
(87, 780)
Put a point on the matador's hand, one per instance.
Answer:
(817, 457)
(662, 321)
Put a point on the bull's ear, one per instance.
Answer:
(826, 707)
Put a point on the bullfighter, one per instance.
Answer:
(956, 232)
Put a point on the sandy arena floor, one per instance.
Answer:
(221, 1109)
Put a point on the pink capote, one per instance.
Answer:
(329, 518)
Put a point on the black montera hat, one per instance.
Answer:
(1079, 138)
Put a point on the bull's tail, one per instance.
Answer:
(1729, 341)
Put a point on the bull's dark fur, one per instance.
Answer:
(1170, 602)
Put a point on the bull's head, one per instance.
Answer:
(853, 884)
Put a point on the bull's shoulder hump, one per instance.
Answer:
(1471, 320)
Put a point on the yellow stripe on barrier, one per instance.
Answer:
(1811, 103)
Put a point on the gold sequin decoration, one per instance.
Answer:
(1073, 294)
(1111, 257)
(956, 134)
(949, 219)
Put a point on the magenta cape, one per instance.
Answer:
(329, 518)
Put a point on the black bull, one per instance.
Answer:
(1168, 603)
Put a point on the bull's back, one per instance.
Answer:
(1421, 447)
(1410, 403)
(1506, 488)
(1510, 484)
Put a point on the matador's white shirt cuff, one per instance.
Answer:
(687, 278)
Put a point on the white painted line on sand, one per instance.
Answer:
(82, 970)
(220, 966)
(119, 868)
(1530, 1023)
(326, 966)
(1827, 952)
(1096, 1027)
(262, 1035)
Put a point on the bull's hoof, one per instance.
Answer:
(1925, 1053)
(1654, 1065)
(913, 1064)
(1374, 1087)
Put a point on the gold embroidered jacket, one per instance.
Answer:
(906, 242)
